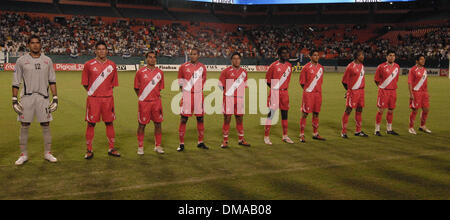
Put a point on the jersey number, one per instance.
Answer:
(37, 66)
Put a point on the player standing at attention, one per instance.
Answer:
(233, 81)
(419, 96)
(99, 78)
(191, 79)
(386, 78)
(278, 77)
(148, 83)
(35, 71)
(311, 79)
(354, 82)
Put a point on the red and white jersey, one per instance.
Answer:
(100, 78)
(354, 76)
(281, 74)
(234, 81)
(387, 76)
(149, 82)
(311, 77)
(418, 78)
(192, 77)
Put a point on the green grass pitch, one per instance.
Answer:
(404, 167)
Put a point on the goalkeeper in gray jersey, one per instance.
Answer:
(34, 71)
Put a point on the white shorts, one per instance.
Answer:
(35, 106)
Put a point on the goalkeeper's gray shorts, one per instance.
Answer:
(35, 106)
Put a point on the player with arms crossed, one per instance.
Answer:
(354, 82)
(233, 81)
(278, 78)
(386, 78)
(311, 79)
(99, 78)
(419, 96)
(35, 71)
(191, 79)
(148, 83)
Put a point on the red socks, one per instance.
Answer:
(379, 118)
(358, 118)
(315, 124)
(182, 131)
(158, 137)
(201, 131)
(140, 138)
(89, 137)
(225, 131)
(302, 125)
(344, 123)
(284, 123)
(412, 118)
(240, 129)
(390, 117)
(423, 118)
(111, 135)
(267, 127)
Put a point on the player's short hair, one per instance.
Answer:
(419, 56)
(235, 54)
(389, 52)
(150, 52)
(196, 49)
(357, 53)
(34, 37)
(100, 43)
(313, 51)
(280, 50)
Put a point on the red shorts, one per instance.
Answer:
(387, 98)
(355, 98)
(421, 100)
(233, 105)
(311, 102)
(150, 111)
(279, 99)
(192, 104)
(100, 108)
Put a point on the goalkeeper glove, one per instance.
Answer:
(18, 108)
(54, 105)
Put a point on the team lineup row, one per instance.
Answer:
(34, 72)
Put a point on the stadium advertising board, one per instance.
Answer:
(275, 2)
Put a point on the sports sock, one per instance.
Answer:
(267, 127)
(315, 125)
(110, 133)
(284, 124)
(344, 123)
(389, 120)
(378, 118)
(201, 131)
(90, 131)
(302, 125)
(140, 137)
(412, 118)
(158, 137)
(358, 119)
(47, 139)
(24, 139)
(225, 131)
(182, 131)
(240, 129)
(423, 118)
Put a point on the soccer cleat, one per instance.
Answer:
(302, 139)
(392, 133)
(267, 141)
(287, 140)
(22, 159)
(224, 145)
(344, 136)
(425, 129)
(244, 143)
(113, 152)
(140, 151)
(361, 134)
(378, 133)
(50, 158)
(202, 146)
(319, 138)
(180, 148)
(159, 150)
(412, 131)
(89, 155)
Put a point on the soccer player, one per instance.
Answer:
(99, 78)
(148, 83)
(278, 77)
(35, 71)
(191, 79)
(311, 79)
(233, 81)
(354, 82)
(419, 96)
(386, 78)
